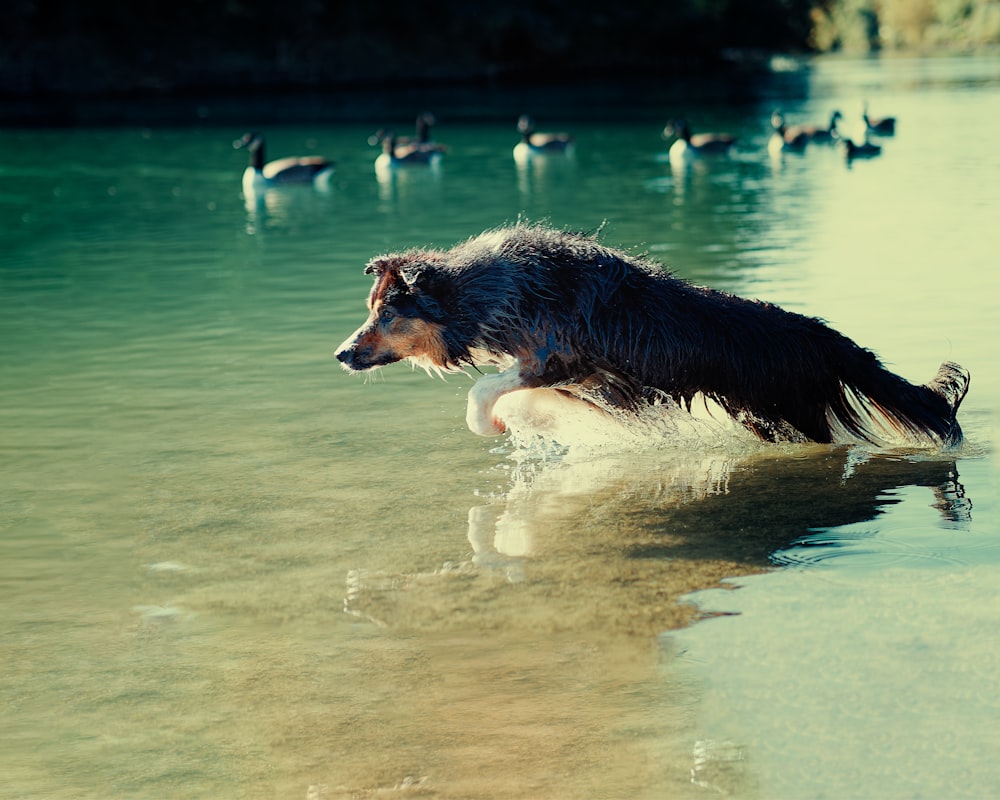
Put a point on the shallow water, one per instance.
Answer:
(228, 569)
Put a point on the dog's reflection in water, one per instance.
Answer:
(610, 525)
(712, 492)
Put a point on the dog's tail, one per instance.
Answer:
(903, 413)
(952, 383)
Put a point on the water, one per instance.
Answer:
(228, 569)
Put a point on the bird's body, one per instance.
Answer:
(864, 150)
(880, 126)
(786, 139)
(690, 146)
(395, 155)
(261, 174)
(824, 134)
(534, 143)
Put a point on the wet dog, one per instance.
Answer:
(557, 309)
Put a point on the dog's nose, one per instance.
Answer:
(344, 355)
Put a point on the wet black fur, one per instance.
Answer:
(623, 328)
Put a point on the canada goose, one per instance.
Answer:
(292, 170)
(784, 138)
(394, 155)
(881, 126)
(689, 146)
(864, 150)
(422, 129)
(535, 143)
(817, 133)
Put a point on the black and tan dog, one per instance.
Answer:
(559, 310)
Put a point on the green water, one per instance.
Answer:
(229, 569)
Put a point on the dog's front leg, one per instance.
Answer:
(483, 396)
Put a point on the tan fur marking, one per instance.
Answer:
(425, 342)
(379, 289)
(405, 338)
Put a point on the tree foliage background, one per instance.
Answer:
(114, 45)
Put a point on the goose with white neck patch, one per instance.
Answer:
(261, 174)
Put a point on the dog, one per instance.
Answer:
(557, 309)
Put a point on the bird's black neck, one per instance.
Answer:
(257, 154)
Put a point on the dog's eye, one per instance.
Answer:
(386, 315)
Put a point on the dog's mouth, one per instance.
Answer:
(360, 356)
(353, 361)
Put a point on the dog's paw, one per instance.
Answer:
(483, 396)
(484, 424)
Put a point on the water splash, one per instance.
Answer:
(546, 423)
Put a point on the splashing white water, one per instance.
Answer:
(541, 419)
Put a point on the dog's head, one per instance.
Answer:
(404, 320)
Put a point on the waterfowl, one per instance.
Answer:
(818, 133)
(292, 170)
(784, 138)
(864, 150)
(534, 143)
(881, 126)
(425, 121)
(395, 155)
(688, 146)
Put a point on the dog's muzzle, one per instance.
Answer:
(359, 352)
(347, 354)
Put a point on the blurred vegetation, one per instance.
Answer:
(863, 26)
(109, 46)
(113, 45)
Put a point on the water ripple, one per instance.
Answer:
(880, 552)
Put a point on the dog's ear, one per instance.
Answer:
(392, 275)
(422, 282)
(398, 269)
(414, 277)
(383, 264)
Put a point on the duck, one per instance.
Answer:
(864, 150)
(881, 126)
(395, 155)
(827, 134)
(688, 146)
(261, 174)
(785, 139)
(534, 143)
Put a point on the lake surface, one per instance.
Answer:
(230, 570)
